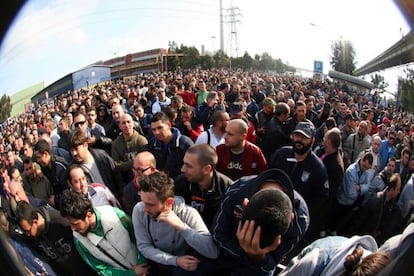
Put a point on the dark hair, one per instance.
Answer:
(24, 211)
(368, 156)
(42, 146)
(160, 116)
(206, 154)
(335, 138)
(217, 115)
(70, 169)
(330, 122)
(370, 265)
(27, 160)
(271, 209)
(159, 183)
(75, 205)
(281, 108)
(76, 138)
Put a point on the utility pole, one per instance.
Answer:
(234, 15)
(221, 28)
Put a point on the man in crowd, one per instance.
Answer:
(214, 136)
(165, 228)
(168, 145)
(201, 186)
(53, 167)
(35, 183)
(97, 193)
(103, 236)
(356, 143)
(237, 156)
(98, 166)
(126, 146)
(144, 163)
(243, 253)
(51, 236)
(309, 176)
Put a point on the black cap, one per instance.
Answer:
(306, 128)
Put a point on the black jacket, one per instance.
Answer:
(229, 214)
(170, 157)
(106, 166)
(207, 202)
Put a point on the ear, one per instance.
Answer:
(292, 217)
(170, 201)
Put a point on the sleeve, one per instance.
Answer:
(349, 186)
(127, 223)
(144, 243)
(223, 229)
(261, 160)
(365, 183)
(99, 266)
(202, 138)
(405, 198)
(196, 234)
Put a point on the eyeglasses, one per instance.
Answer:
(81, 123)
(139, 170)
(102, 109)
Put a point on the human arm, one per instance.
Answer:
(144, 242)
(191, 227)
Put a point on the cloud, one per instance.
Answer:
(36, 28)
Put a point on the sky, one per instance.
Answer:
(52, 38)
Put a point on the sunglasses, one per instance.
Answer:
(81, 123)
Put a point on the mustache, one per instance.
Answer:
(299, 143)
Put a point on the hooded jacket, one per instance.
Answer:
(327, 256)
(170, 156)
(161, 243)
(228, 216)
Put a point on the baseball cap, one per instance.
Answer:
(236, 109)
(305, 128)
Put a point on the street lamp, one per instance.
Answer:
(214, 40)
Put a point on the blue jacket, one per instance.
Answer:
(326, 256)
(170, 156)
(229, 214)
(347, 194)
(386, 153)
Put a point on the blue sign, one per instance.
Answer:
(318, 66)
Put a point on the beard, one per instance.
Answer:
(301, 148)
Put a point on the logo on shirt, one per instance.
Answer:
(235, 166)
(305, 176)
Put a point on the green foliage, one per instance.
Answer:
(343, 56)
(379, 82)
(406, 90)
(5, 108)
(192, 59)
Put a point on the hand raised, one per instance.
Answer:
(249, 240)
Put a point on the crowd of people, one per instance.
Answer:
(201, 172)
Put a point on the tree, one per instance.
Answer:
(406, 90)
(191, 56)
(5, 108)
(343, 56)
(379, 82)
